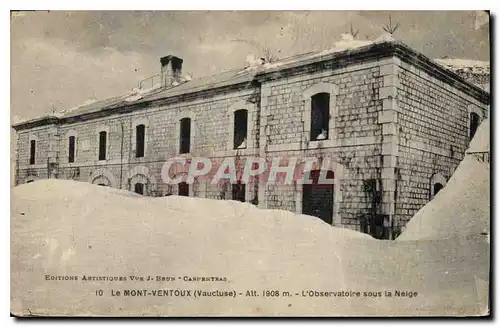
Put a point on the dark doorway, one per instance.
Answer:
(238, 191)
(437, 188)
(317, 199)
(139, 188)
(183, 189)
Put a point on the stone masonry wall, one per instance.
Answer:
(210, 137)
(27, 172)
(355, 134)
(433, 129)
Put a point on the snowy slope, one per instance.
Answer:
(63, 227)
(481, 140)
(462, 207)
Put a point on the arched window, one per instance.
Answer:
(185, 135)
(437, 183)
(140, 135)
(240, 129)
(474, 124)
(320, 116)
(103, 135)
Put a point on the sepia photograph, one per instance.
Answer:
(250, 163)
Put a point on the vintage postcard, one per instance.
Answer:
(250, 163)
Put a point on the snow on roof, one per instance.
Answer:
(71, 228)
(481, 140)
(240, 76)
(474, 66)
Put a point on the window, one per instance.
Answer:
(139, 188)
(240, 129)
(102, 145)
(139, 140)
(183, 189)
(238, 191)
(185, 136)
(437, 188)
(32, 152)
(320, 116)
(474, 124)
(71, 148)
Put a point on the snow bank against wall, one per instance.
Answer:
(68, 228)
(460, 209)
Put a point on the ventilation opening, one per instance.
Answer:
(139, 140)
(139, 188)
(185, 137)
(240, 129)
(71, 147)
(183, 189)
(474, 124)
(238, 192)
(320, 116)
(32, 152)
(102, 145)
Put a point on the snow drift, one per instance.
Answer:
(68, 228)
(462, 207)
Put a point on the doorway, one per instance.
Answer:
(317, 197)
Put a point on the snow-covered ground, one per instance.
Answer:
(63, 227)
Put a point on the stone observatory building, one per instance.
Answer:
(391, 123)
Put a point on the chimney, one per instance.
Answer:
(171, 68)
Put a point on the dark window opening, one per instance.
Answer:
(29, 182)
(102, 145)
(183, 189)
(320, 116)
(437, 188)
(139, 140)
(474, 124)
(32, 152)
(240, 129)
(101, 184)
(185, 137)
(139, 188)
(71, 155)
(238, 191)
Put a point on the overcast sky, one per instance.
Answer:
(61, 59)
